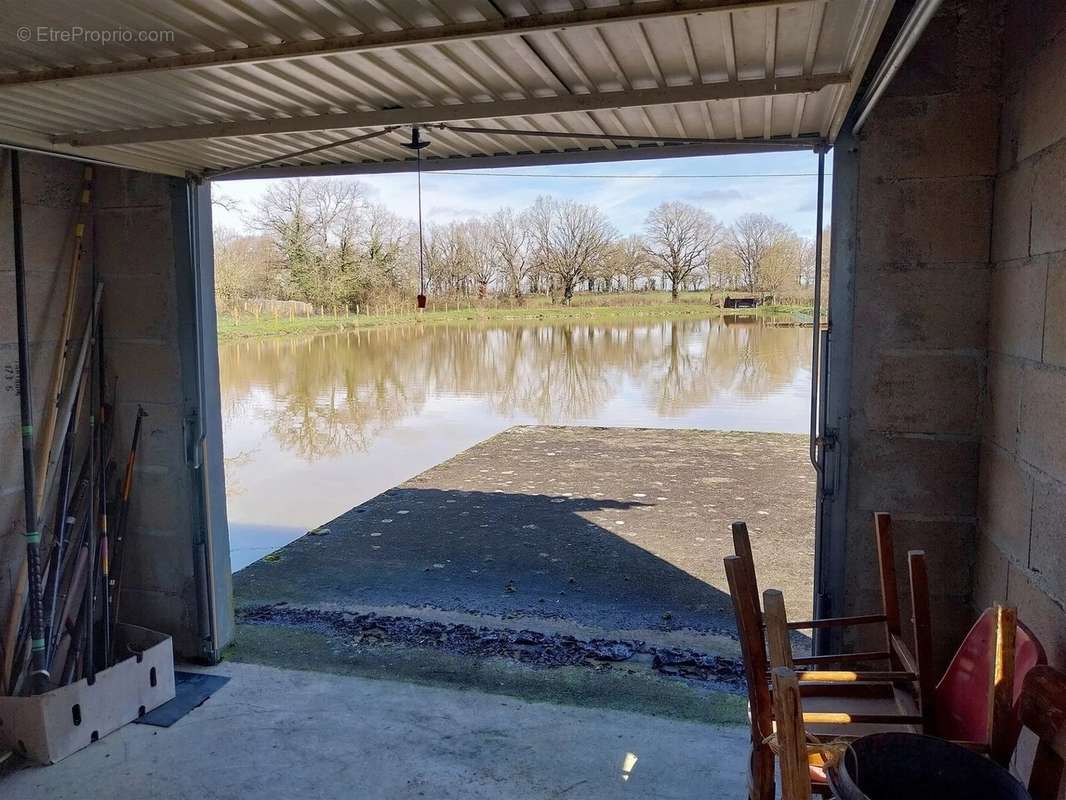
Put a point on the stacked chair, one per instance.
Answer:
(796, 705)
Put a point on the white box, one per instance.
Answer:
(49, 727)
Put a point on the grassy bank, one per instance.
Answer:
(605, 308)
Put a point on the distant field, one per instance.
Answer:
(606, 307)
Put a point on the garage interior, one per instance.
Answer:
(943, 378)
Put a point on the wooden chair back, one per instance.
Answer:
(753, 651)
(1043, 711)
(894, 651)
(793, 759)
(978, 697)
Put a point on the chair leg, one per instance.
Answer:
(761, 783)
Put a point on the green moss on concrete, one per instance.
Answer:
(615, 688)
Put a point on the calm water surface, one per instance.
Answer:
(316, 425)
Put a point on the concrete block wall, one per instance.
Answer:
(1021, 547)
(926, 182)
(132, 240)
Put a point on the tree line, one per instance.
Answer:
(327, 243)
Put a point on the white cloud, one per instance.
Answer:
(626, 199)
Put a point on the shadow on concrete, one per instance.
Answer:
(494, 553)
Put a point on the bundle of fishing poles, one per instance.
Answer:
(64, 610)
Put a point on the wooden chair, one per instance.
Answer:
(1043, 711)
(894, 654)
(1042, 707)
(910, 689)
(793, 757)
(860, 700)
(977, 701)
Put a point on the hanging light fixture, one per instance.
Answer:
(417, 143)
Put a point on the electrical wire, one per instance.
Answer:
(476, 173)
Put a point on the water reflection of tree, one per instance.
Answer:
(334, 393)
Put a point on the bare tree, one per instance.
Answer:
(573, 240)
(723, 267)
(242, 266)
(752, 239)
(512, 241)
(679, 239)
(446, 258)
(480, 254)
(629, 260)
(306, 220)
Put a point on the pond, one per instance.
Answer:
(316, 425)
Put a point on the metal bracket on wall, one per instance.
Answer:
(194, 439)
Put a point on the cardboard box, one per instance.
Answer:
(51, 726)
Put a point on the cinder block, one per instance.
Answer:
(949, 549)
(147, 304)
(943, 308)
(1055, 311)
(932, 66)
(45, 298)
(170, 613)
(990, 575)
(938, 136)
(50, 182)
(1048, 553)
(1009, 126)
(47, 238)
(42, 355)
(1029, 27)
(1012, 215)
(126, 188)
(158, 559)
(162, 443)
(1042, 439)
(149, 372)
(936, 220)
(1043, 118)
(925, 393)
(978, 44)
(134, 241)
(161, 500)
(1005, 502)
(1016, 308)
(914, 474)
(1049, 211)
(1003, 402)
(1041, 611)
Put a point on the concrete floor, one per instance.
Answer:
(274, 733)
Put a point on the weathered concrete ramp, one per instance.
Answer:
(548, 546)
(612, 528)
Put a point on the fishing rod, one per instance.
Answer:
(16, 625)
(39, 675)
(123, 521)
(64, 522)
(105, 462)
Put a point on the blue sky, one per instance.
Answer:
(626, 198)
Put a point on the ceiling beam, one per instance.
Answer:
(596, 101)
(547, 158)
(385, 40)
(33, 142)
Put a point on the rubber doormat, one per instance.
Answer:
(191, 689)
